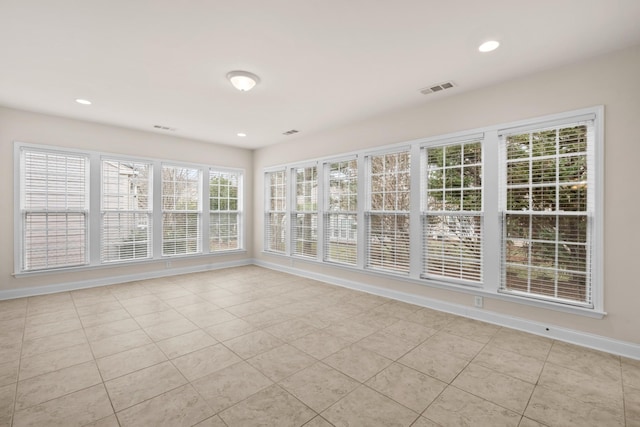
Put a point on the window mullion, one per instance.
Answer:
(415, 226)
(95, 213)
(492, 220)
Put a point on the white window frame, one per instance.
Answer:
(148, 213)
(284, 212)
(94, 216)
(491, 221)
(426, 212)
(396, 213)
(351, 235)
(21, 212)
(594, 189)
(312, 213)
(237, 212)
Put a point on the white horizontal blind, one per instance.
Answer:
(275, 216)
(387, 213)
(224, 210)
(126, 210)
(304, 216)
(547, 204)
(181, 210)
(452, 211)
(341, 209)
(54, 198)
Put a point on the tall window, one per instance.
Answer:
(304, 218)
(224, 210)
(341, 209)
(275, 218)
(181, 209)
(452, 211)
(548, 204)
(126, 210)
(388, 212)
(54, 203)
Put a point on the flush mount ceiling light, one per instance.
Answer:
(241, 134)
(243, 80)
(83, 101)
(488, 46)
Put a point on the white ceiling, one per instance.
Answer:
(323, 63)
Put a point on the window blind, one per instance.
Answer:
(304, 216)
(452, 211)
(341, 212)
(224, 210)
(275, 215)
(547, 206)
(181, 210)
(54, 199)
(387, 213)
(126, 210)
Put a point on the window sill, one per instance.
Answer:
(467, 289)
(111, 265)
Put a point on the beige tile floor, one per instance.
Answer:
(251, 347)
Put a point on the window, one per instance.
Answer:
(54, 205)
(341, 212)
(452, 211)
(276, 216)
(388, 212)
(304, 217)
(548, 208)
(224, 208)
(126, 210)
(181, 208)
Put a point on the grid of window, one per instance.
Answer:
(341, 212)
(304, 218)
(388, 246)
(181, 210)
(126, 210)
(510, 211)
(452, 211)
(547, 208)
(276, 212)
(54, 209)
(224, 208)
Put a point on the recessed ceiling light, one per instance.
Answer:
(83, 101)
(243, 80)
(489, 46)
(242, 134)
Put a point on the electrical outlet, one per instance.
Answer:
(477, 301)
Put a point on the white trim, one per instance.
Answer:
(112, 280)
(596, 342)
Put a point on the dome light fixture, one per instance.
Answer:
(489, 46)
(244, 81)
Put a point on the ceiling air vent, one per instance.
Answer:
(290, 132)
(170, 129)
(436, 88)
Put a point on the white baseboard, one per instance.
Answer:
(596, 342)
(112, 280)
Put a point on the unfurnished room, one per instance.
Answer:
(299, 213)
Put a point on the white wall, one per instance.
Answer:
(610, 80)
(42, 129)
